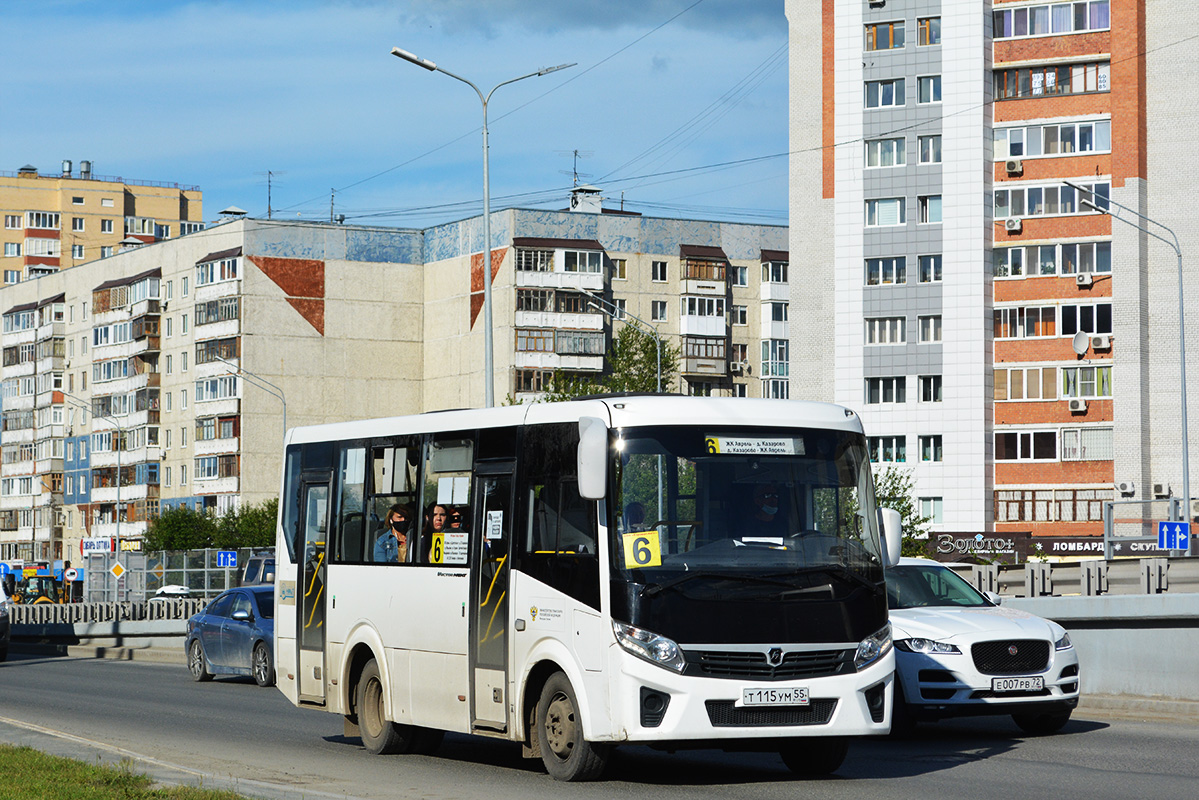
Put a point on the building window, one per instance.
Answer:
(657, 310)
(1069, 138)
(930, 448)
(1026, 446)
(1024, 322)
(886, 271)
(1093, 318)
(225, 269)
(774, 272)
(1086, 382)
(184, 282)
(183, 328)
(42, 220)
(658, 271)
(888, 449)
(885, 94)
(1025, 383)
(1064, 259)
(534, 260)
(928, 89)
(583, 261)
(739, 390)
(886, 211)
(928, 31)
(930, 329)
(533, 380)
(105, 226)
(930, 388)
(885, 153)
(778, 311)
(740, 315)
(620, 269)
(775, 358)
(77, 251)
(579, 343)
(1057, 18)
(930, 208)
(13, 222)
(619, 311)
(699, 388)
(740, 276)
(702, 307)
(105, 251)
(930, 269)
(1048, 81)
(77, 223)
(886, 390)
(886, 330)
(930, 509)
(776, 389)
(12, 249)
(930, 149)
(1088, 444)
(884, 36)
(703, 347)
(12, 276)
(739, 353)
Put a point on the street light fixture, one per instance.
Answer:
(1184, 512)
(615, 312)
(488, 334)
(258, 381)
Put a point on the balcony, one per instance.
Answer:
(212, 447)
(702, 326)
(587, 281)
(779, 292)
(572, 363)
(704, 367)
(775, 330)
(588, 321)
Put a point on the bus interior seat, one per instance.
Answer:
(352, 535)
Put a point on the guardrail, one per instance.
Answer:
(72, 613)
(1088, 578)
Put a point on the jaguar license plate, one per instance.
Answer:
(793, 696)
(1001, 685)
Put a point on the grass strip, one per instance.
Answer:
(26, 773)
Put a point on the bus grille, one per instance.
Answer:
(753, 665)
(996, 658)
(723, 714)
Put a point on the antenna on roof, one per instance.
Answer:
(575, 171)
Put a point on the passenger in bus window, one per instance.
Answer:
(436, 516)
(392, 544)
(456, 520)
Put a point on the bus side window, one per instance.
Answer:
(449, 469)
(349, 546)
(291, 500)
(559, 547)
(394, 479)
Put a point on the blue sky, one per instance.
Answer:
(218, 93)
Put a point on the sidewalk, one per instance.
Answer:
(1128, 706)
(148, 654)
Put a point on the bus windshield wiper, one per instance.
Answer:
(653, 589)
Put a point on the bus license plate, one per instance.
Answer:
(1000, 685)
(794, 696)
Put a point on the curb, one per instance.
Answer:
(151, 655)
(1135, 707)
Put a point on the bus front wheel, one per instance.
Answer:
(566, 754)
(379, 736)
(816, 756)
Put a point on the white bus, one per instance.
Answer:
(671, 571)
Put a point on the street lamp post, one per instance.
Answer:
(261, 383)
(488, 334)
(616, 312)
(1184, 513)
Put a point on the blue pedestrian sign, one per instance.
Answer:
(226, 558)
(1173, 535)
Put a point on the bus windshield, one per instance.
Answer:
(751, 506)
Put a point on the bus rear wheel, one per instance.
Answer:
(814, 757)
(566, 754)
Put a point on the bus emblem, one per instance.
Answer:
(774, 657)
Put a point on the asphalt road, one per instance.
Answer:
(231, 733)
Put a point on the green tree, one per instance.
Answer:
(256, 524)
(893, 488)
(633, 361)
(180, 528)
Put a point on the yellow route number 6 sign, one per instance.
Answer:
(437, 551)
(642, 549)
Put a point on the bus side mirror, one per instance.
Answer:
(593, 458)
(891, 530)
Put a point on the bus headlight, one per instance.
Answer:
(650, 646)
(873, 647)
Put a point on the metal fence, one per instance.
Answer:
(199, 571)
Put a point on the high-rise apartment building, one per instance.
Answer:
(166, 375)
(53, 222)
(1014, 346)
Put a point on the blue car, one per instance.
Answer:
(234, 635)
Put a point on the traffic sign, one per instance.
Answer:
(117, 570)
(1173, 535)
(71, 574)
(226, 558)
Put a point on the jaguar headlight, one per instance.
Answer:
(873, 647)
(649, 646)
(926, 646)
(1063, 643)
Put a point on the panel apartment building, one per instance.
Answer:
(1013, 346)
(166, 374)
(53, 222)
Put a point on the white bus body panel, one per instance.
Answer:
(285, 627)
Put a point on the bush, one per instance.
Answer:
(184, 529)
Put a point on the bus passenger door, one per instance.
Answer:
(489, 621)
(311, 634)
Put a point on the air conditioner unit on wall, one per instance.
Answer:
(1126, 487)
(1014, 225)
(1078, 406)
(1195, 508)
(1084, 280)
(1102, 341)
(1014, 166)
(735, 367)
(1161, 490)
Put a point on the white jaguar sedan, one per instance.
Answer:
(958, 653)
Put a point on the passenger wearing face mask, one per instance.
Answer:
(766, 507)
(392, 544)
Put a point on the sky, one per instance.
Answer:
(676, 108)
